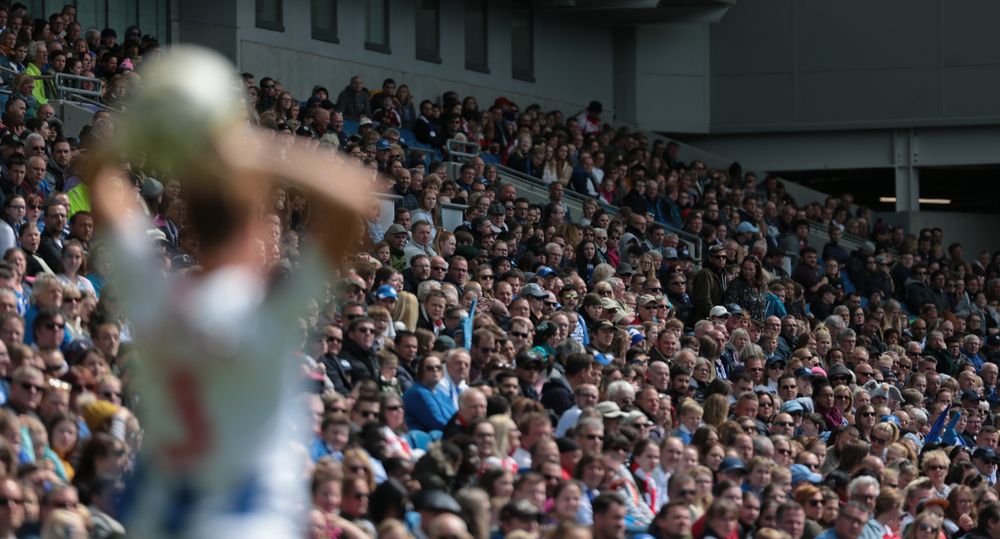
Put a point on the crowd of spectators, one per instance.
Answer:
(683, 359)
(537, 373)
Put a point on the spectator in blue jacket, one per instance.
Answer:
(426, 409)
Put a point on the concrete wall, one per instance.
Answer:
(671, 79)
(573, 61)
(974, 231)
(792, 65)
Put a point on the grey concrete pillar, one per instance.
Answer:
(905, 160)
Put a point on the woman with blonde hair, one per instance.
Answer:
(406, 310)
(935, 467)
(882, 436)
(357, 464)
(507, 439)
(843, 399)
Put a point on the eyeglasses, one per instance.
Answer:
(519, 334)
(365, 330)
(551, 304)
(816, 503)
(880, 440)
(784, 424)
(868, 414)
(432, 367)
(72, 299)
(486, 276)
(334, 339)
(685, 493)
(927, 528)
(439, 268)
(367, 413)
(55, 325)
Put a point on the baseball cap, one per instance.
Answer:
(534, 291)
(383, 144)
(151, 188)
(801, 473)
(791, 407)
(775, 359)
(394, 229)
(718, 310)
(838, 371)
(386, 291)
(803, 372)
(746, 227)
(624, 269)
(603, 324)
(987, 454)
(545, 271)
(522, 509)
(646, 298)
(443, 343)
(609, 410)
(732, 464)
(437, 501)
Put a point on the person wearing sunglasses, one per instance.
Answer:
(358, 350)
(427, 409)
(709, 284)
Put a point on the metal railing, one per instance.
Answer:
(452, 215)
(69, 87)
(73, 85)
(573, 199)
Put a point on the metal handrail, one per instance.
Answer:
(64, 89)
(462, 148)
(691, 240)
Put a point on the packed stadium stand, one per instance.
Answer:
(552, 325)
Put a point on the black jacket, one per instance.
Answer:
(557, 395)
(51, 253)
(364, 364)
(338, 375)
